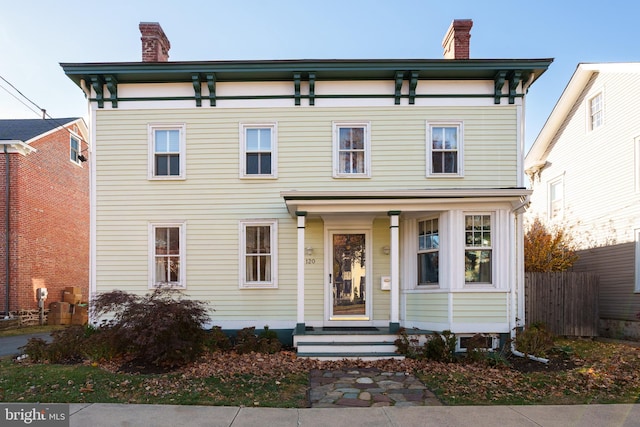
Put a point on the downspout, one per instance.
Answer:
(7, 229)
(518, 210)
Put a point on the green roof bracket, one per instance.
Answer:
(296, 85)
(413, 84)
(514, 81)
(112, 85)
(498, 85)
(211, 84)
(197, 88)
(399, 80)
(312, 88)
(97, 84)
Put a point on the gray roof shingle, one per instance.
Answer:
(26, 129)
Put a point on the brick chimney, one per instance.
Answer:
(456, 41)
(155, 44)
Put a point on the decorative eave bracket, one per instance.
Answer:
(97, 83)
(312, 88)
(197, 88)
(211, 84)
(413, 84)
(514, 80)
(112, 86)
(399, 80)
(499, 80)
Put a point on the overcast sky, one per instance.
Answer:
(37, 35)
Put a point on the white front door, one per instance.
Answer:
(348, 280)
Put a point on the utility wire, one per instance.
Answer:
(42, 110)
(18, 99)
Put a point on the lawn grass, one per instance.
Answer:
(91, 384)
(25, 330)
(599, 373)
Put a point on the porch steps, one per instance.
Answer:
(347, 344)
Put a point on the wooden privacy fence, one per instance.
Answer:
(567, 302)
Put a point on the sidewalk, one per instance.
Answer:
(109, 415)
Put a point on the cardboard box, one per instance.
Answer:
(79, 319)
(59, 318)
(73, 290)
(59, 307)
(71, 298)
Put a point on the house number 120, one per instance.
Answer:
(310, 261)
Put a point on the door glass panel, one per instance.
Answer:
(349, 275)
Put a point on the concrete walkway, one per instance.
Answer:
(109, 415)
(10, 346)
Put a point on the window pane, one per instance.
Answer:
(253, 139)
(437, 137)
(478, 266)
(345, 162)
(251, 240)
(173, 137)
(265, 139)
(264, 240)
(174, 269)
(265, 164)
(450, 162)
(174, 240)
(437, 162)
(174, 164)
(428, 268)
(450, 138)
(161, 241)
(252, 163)
(162, 166)
(357, 162)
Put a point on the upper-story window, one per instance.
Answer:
(351, 150)
(74, 150)
(258, 144)
(556, 198)
(167, 247)
(428, 252)
(444, 149)
(478, 251)
(167, 146)
(596, 112)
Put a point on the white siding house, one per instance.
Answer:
(585, 174)
(315, 194)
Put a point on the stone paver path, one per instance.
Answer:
(367, 387)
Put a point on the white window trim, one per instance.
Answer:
(494, 251)
(182, 128)
(273, 284)
(428, 143)
(274, 149)
(637, 261)
(337, 125)
(182, 225)
(590, 127)
(75, 136)
(557, 180)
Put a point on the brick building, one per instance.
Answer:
(44, 210)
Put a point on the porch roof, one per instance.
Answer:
(382, 201)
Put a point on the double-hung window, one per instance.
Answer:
(351, 150)
(74, 149)
(556, 198)
(167, 158)
(167, 253)
(258, 266)
(596, 112)
(428, 252)
(444, 149)
(258, 144)
(478, 251)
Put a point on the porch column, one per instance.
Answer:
(394, 323)
(300, 327)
